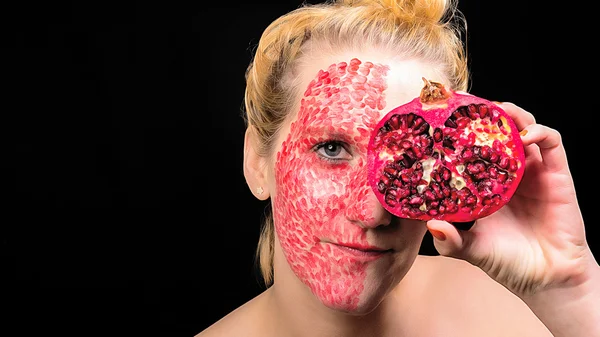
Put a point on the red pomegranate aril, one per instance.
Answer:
(391, 172)
(467, 153)
(406, 144)
(438, 135)
(394, 123)
(445, 155)
(484, 152)
(504, 162)
(494, 158)
(470, 200)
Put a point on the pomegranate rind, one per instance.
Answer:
(493, 195)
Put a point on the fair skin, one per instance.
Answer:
(505, 277)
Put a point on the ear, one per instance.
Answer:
(255, 167)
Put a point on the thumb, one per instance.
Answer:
(449, 240)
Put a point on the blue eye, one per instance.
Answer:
(333, 150)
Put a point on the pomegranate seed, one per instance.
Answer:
(493, 172)
(462, 122)
(454, 195)
(485, 152)
(438, 135)
(394, 122)
(410, 119)
(471, 200)
(483, 110)
(405, 144)
(426, 141)
(421, 129)
(446, 174)
(429, 195)
(404, 193)
(467, 153)
(418, 122)
(504, 161)
(472, 111)
(416, 201)
(450, 123)
(513, 165)
(494, 157)
(390, 171)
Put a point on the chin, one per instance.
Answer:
(364, 307)
(354, 310)
(375, 292)
(358, 304)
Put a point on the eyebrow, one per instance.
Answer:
(318, 129)
(313, 131)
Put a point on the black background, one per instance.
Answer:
(125, 211)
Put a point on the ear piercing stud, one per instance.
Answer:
(259, 190)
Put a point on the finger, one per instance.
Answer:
(520, 116)
(549, 142)
(449, 240)
(532, 152)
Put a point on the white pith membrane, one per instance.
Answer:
(462, 166)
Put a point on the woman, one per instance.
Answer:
(336, 262)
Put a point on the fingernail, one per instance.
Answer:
(437, 234)
(497, 102)
(523, 132)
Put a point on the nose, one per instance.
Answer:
(366, 211)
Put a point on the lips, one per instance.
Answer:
(361, 249)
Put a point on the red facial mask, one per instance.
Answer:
(321, 180)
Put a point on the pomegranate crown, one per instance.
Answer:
(433, 92)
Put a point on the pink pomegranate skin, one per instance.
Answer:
(445, 155)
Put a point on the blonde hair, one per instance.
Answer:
(430, 30)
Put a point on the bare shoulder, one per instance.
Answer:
(246, 320)
(458, 279)
(461, 292)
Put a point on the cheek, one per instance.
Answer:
(310, 194)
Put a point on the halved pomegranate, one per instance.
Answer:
(445, 155)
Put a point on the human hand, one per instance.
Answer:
(537, 241)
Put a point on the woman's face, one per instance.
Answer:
(335, 236)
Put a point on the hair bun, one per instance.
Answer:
(427, 10)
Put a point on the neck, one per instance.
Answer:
(297, 312)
